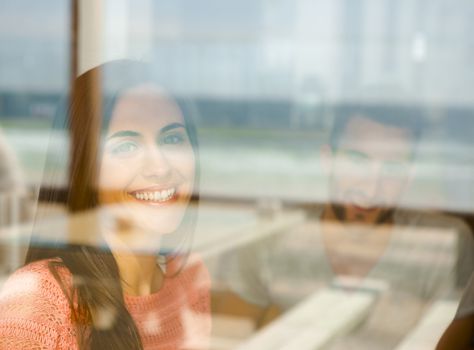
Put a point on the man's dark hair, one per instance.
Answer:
(409, 117)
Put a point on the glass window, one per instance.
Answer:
(299, 174)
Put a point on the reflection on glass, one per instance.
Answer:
(335, 167)
(104, 281)
(361, 258)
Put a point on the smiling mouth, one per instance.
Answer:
(155, 196)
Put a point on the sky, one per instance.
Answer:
(246, 48)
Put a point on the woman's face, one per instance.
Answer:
(148, 164)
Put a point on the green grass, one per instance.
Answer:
(259, 133)
(232, 134)
(25, 123)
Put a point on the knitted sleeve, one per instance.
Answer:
(34, 312)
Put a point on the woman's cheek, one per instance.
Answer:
(114, 180)
(185, 162)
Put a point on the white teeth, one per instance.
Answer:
(157, 196)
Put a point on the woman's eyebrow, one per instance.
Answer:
(171, 126)
(124, 133)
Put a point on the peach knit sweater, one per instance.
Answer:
(35, 314)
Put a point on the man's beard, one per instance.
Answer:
(339, 210)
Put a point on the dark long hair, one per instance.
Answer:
(96, 282)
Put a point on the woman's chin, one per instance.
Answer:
(140, 229)
(155, 219)
(158, 229)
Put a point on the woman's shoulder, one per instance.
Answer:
(192, 271)
(34, 309)
(196, 281)
(36, 283)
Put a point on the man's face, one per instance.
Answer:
(369, 170)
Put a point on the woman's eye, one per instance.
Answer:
(124, 148)
(173, 139)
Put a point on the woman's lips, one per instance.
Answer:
(155, 195)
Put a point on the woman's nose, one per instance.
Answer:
(155, 165)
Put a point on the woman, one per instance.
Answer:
(131, 178)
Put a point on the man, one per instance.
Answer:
(359, 236)
(460, 332)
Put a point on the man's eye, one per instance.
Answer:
(355, 157)
(395, 169)
(124, 148)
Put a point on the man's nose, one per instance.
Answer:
(372, 180)
(156, 165)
